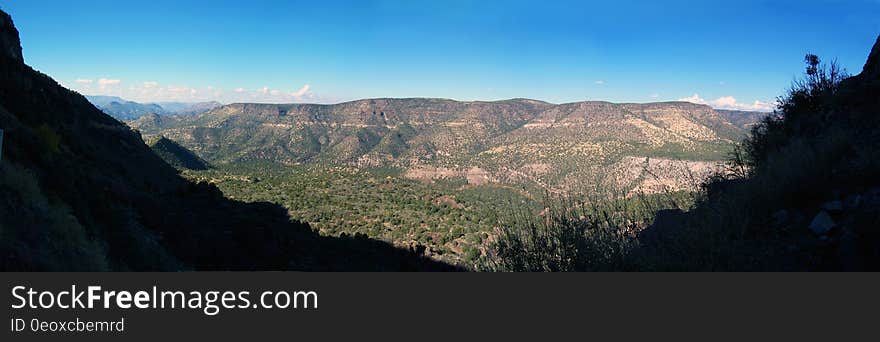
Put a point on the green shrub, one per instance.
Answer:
(50, 140)
(569, 235)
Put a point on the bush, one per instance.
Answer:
(50, 140)
(570, 235)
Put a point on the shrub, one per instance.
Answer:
(571, 235)
(50, 140)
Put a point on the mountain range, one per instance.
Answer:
(556, 147)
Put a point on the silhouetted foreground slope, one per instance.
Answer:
(804, 194)
(81, 191)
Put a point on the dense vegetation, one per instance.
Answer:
(447, 220)
(598, 233)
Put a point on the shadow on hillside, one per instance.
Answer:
(81, 191)
(265, 233)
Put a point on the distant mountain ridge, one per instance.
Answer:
(500, 141)
(125, 110)
(188, 108)
(742, 119)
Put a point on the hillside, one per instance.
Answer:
(176, 155)
(81, 191)
(555, 147)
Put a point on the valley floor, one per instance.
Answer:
(450, 220)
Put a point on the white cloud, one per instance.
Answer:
(654, 96)
(108, 82)
(729, 102)
(178, 89)
(599, 82)
(153, 91)
(725, 101)
(302, 91)
(693, 99)
(104, 83)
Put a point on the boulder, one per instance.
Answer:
(822, 223)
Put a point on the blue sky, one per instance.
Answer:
(730, 53)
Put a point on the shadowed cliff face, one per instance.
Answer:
(81, 191)
(9, 39)
(872, 66)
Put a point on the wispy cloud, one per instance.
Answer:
(302, 91)
(729, 102)
(599, 82)
(83, 81)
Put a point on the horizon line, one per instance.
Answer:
(425, 98)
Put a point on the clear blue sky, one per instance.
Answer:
(469, 50)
